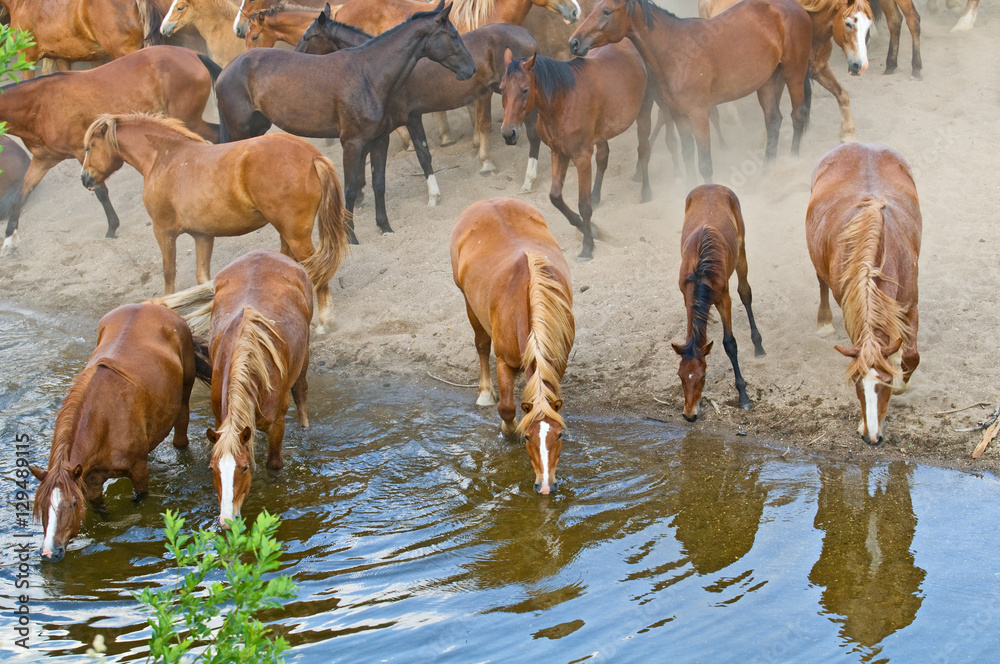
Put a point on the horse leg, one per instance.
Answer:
(354, 163)
(746, 297)
(560, 163)
(109, 211)
(603, 151)
(911, 356)
(534, 143)
(913, 24)
(181, 426)
(583, 176)
(36, 171)
(894, 22)
(139, 474)
(168, 247)
(415, 125)
(487, 397)
(824, 76)
(714, 117)
(767, 97)
(484, 125)
(506, 408)
(300, 393)
(703, 138)
(275, 434)
(643, 124)
(724, 308)
(824, 317)
(203, 245)
(683, 125)
(471, 110)
(444, 129)
(379, 152)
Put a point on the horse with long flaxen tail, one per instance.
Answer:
(518, 296)
(863, 228)
(712, 248)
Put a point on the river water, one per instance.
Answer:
(414, 535)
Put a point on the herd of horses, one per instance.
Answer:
(246, 332)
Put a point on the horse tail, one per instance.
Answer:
(212, 66)
(150, 18)
(550, 308)
(332, 218)
(194, 305)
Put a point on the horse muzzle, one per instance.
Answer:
(88, 180)
(465, 73)
(873, 443)
(578, 47)
(509, 135)
(167, 29)
(53, 555)
(570, 15)
(545, 490)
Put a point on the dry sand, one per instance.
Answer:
(399, 312)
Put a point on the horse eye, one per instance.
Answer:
(848, 25)
(607, 12)
(524, 91)
(255, 38)
(246, 468)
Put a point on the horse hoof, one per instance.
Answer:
(386, 231)
(488, 168)
(584, 258)
(527, 187)
(9, 245)
(646, 196)
(889, 71)
(432, 201)
(759, 351)
(447, 140)
(825, 330)
(745, 405)
(508, 428)
(486, 399)
(916, 76)
(352, 238)
(320, 329)
(848, 138)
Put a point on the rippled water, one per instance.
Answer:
(412, 530)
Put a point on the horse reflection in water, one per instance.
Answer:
(871, 582)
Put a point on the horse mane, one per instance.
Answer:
(866, 308)
(337, 25)
(710, 263)
(278, 8)
(225, 6)
(648, 8)
(471, 14)
(110, 123)
(821, 6)
(253, 352)
(549, 342)
(551, 76)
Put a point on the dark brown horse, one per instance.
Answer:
(133, 391)
(863, 228)
(581, 104)
(712, 248)
(347, 94)
(51, 114)
(519, 298)
(431, 87)
(85, 30)
(758, 45)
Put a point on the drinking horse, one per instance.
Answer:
(758, 45)
(581, 104)
(863, 228)
(712, 247)
(347, 94)
(133, 391)
(519, 299)
(51, 114)
(208, 191)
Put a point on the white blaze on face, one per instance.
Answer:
(579, 11)
(864, 25)
(543, 452)
(239, 17)
(166, 19)
(50, 530)
(871, 404)
(227, 471)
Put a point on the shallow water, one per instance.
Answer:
(414, 535)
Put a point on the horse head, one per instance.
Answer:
(608, 22)
(179, 15)
(851, 28)
(326, 35)
(254, 30)
(101, 155)
(873, 378)
(692, 373)
(59, 502)
(543, 440)
(242, 21)
(568, 9)
(232, 456)
(517, 93)
(444, 45)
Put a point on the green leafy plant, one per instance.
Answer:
(12, 60)
(204, 619)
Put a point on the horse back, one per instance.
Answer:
(717, 208)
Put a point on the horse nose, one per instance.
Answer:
(88, 180)
(854, 68)
(690, 418)
(55, 555)
(546, 490)
(511, 137)
(574, 46)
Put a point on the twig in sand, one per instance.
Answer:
(982, 425)
(785, 453)
(448, 382)
(990, 434)
(715, 406)
(815, 440)
(959, 410)
(660, 401)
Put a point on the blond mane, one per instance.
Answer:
(468, 15)
(821, 6)
(254, 353)
(867, 309)
(110, 123)
(549, 342)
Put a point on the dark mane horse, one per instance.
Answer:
(347, 94)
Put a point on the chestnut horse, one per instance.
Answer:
(580, 104)
(266, 27)
(133, 391)
(248, 8)
(430, 87)
(212, 19)
(519, 298)
(259, 345)
(700, 63)
(712, 247)
(347, 94)
(892, 10)
(51, 114)
(863, 228)
(209, 191)
(85, 30)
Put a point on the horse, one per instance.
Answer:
(699, 63)
(51, 114)
(209, 191)
(84, 30)
(863, 227)
(580, 104)
(212, 18)
(248, 8)
(892, 10)
(712, 247)
(267, 27)
(968, 17)
(259, 345)
(519, 299)
(13, 165)
(346, 94)
(430, 87)
(133, 391)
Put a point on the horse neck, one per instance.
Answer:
(655, 42)
(342, 37)
(388, 62)
(512, 12)
(289, 26)
(140, 145)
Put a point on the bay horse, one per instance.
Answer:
(863, 227)
(267, 27)
(519, 298)
(712, 248)
(700, 63)
(581, 104)
(133, 391)
(259, 346)
(84, 30)
(346, 94)
(212, 18)
(208, 191)
(51, 114)
(431, 87)
(893, 9)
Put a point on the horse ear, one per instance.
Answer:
(443, 13)
(327, 10)
(440, 6)
(246, 435)
(526, 407)
(893, 349)
(508, 57)
(679, 349)
(853, 351)
(77, 472)
(529, 64)
(213, 437)
(39, 474)
(323, 17)
(557, 405)
(708, 348)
